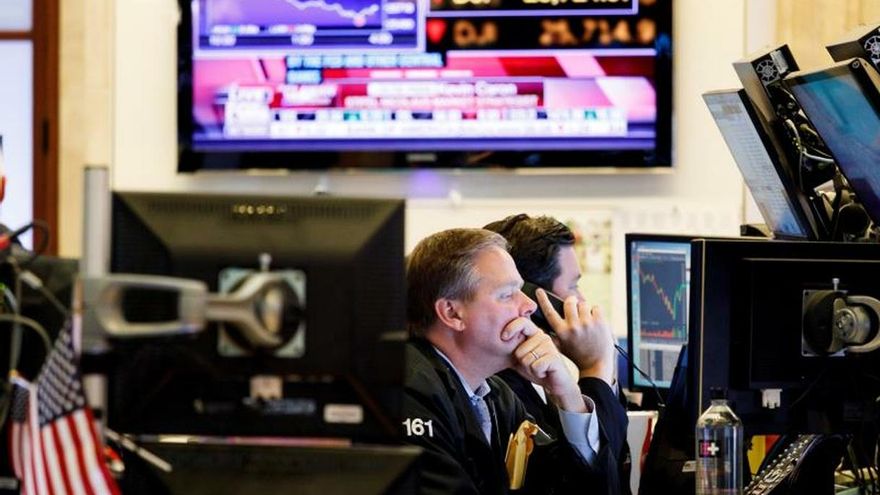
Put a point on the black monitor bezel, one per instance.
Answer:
(398, 158)
(359, 360)
(719, 343)
(629, 240)
(784, 170)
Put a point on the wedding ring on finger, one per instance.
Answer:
(535, 355)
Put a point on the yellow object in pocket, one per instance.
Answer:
(519, 447)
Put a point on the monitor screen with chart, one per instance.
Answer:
(658, 277)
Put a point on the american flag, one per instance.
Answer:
(53, 443)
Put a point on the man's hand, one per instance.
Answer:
(583, 336)
(539, 361)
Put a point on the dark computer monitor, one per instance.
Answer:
(658, 275)
(339, 368)
(843, 104)
(749, 304)
(763, 165)
(225, 469)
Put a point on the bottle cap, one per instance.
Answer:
(716, 393)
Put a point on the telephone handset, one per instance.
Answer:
(538, 316)
(805, 465)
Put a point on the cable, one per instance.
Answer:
(47, 343)
(797, 142)
(7, 239)
(33, 325)
(817, 158)
(861, 477)
(35, 283)
(13, 298)
(13, 358)
(38, 250)
(660, 403)
(10, 298)
(15, 340)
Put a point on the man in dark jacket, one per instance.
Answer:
(543, 250)
(469, 320)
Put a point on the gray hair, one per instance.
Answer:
(442, 267)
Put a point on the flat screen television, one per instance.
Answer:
(315, 84)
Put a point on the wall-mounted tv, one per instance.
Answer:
(314, 84)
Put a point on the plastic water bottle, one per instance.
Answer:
(719, 451)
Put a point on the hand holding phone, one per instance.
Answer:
(538, 316)
(583, 335)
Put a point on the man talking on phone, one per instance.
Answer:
(543, 250)
(468, 320)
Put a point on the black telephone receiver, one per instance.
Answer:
(538, 316)
(799, 464)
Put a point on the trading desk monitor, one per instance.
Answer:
(337, 368)
(753, 317)
(762, 164)
(658, 268)
(843, 104)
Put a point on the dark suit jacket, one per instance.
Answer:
(459, 460)
(613, 422)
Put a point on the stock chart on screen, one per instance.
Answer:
(307, 75)
(659, 274)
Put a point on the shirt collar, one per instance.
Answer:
(482, 389)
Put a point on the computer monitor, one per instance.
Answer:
(223, 468)
(763, 165)
(658, 276)
(750, 301)
(843, 104)
(338, 370)
(762, 75)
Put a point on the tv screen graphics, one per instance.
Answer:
(843, 104)
(405, 83)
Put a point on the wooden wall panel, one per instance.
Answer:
(808, 25)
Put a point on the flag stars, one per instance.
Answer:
(62, 413)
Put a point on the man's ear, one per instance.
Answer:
(448, 312)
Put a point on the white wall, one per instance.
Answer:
(703, 191)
